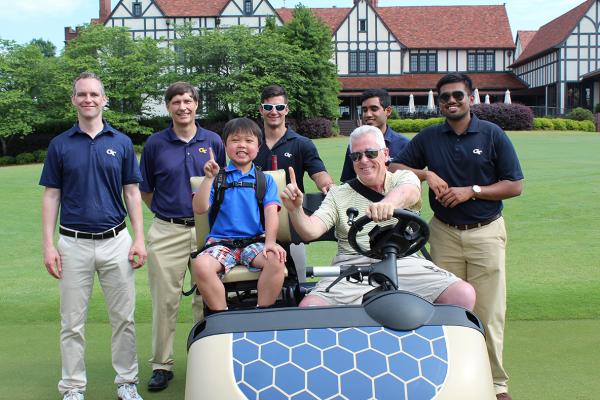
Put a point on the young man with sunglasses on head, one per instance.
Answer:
(470, 166)
(400, 190)
(376, 109)
(283, 148)
(170, 157)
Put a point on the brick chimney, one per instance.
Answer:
(374, 3)
(105, 10)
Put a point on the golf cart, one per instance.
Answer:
(395, 345)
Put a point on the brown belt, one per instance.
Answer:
(466, 227)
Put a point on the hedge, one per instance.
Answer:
(562, 124)
(315, 128)
(412, 125)
(510, 117)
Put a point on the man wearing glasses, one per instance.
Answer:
(400, 190)
(376, 109)
(283, 148)
(471, 166)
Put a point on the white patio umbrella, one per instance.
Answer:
(507, 97)
(430, 102)
(487, 99)
(411, 104)
(476, 99)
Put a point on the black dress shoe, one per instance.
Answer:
(160, 380)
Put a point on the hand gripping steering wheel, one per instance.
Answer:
(407, 236)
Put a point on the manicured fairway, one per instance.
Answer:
(553, 265)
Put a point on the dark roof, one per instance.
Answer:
(553, 33)
(525, 38)
(191, 8)
(424, 82)
(332, 17)
(455, 27)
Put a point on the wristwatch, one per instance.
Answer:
(476, 190)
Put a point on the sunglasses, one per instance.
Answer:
(370, 154)
(457, 94)
(269, 107)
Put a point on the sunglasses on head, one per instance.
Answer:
(370, 154)
(457, 94)
(269, 107)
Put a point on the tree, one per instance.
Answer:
(47, 48)
(319, 97)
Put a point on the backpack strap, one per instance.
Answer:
(261, 189)
(219, 186)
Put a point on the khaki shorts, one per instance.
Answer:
(415, 274)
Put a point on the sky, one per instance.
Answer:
(23, 21)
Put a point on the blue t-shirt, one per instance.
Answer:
(167, 164)
(90, 174)
(292, 150)
(239, 216)
(482, 156)
(394, 141)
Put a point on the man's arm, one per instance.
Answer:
(323, 181)
(50, 206)
(405, 195)
(133, 201)
(308, 227)
(435, 183)
(498, 191)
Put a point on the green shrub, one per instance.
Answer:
(6, 160)
(511, 117)
(580, 114)
(597, 108)
(587, 126)
(40, 155)
(559, 124)
(543, 124)
(25, 158)
(572, 125)
(138, 148)
(413, 125)
(394, 114)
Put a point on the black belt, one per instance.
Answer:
(180, 221)
(111, 233)
(466, 227)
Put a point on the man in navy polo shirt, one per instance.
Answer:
(170, 157)
(283, 148)
(376, 109)
(471, 167)
(88, 171)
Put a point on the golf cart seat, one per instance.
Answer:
(239, 278)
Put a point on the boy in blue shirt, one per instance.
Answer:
(239, 220)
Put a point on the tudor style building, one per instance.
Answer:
(561, 61)
(407, 49)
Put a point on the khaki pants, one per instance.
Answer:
(81, 260)
(169, 248)
(478, 257)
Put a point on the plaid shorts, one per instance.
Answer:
(229, 257)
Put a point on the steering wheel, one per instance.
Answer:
(410, 233)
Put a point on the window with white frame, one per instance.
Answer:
(363, 62)
(423, 62)
(480, 61)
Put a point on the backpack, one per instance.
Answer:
(220, 185)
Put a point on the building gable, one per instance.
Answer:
(554, 33)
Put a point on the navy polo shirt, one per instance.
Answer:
(167, 164)
(292, 150)
(90, 174)
(482, 156)
(394, 141)
(239, 216)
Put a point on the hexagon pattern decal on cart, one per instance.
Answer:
(347, 363)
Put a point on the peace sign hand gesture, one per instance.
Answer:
(211, 168)
(291, 196)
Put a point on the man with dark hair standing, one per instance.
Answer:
(376, 109)
(170, 157)
(88, 172)
(283, 148)
(471, 167)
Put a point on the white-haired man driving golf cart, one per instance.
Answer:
(400, 190)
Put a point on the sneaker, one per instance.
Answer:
(73, 395)
(128, 391)
(503, 396)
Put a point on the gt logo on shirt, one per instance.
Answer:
(477, 151)
(288, 155)
(111, 152)
(202, 150)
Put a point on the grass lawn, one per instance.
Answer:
(552, 261)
